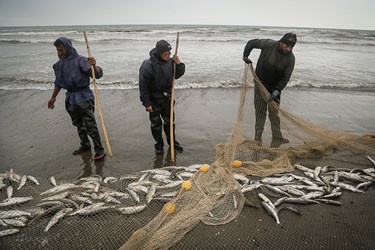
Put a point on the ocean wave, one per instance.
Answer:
(19, 84)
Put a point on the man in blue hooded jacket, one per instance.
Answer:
(155, 86)
(73, 72)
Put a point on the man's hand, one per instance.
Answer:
(176, 59)
(91, 61)
(51, 103)
(149, 109)
(246, 60)
(275, 96)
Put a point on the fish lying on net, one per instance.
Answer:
(132, 193)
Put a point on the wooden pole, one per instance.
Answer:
(171, 123)
(97, 99)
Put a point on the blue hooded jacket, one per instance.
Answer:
(73, 74)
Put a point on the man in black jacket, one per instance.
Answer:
(274, 68)
(155, 86)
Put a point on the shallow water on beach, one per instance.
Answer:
(325, 58)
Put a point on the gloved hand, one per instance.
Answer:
(274, 96)
(246, 60)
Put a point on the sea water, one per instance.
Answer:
(325, 58)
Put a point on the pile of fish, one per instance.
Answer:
(131, 193)
(311, 186)
(87, 196)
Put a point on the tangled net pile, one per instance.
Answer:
(155, 209)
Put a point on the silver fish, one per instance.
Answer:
(134, 195)
(300, 201)
(2, 223)
(88, 208)
(139, 188)
(22, 182)
(14, 222)
(292, 190)
(317, 171)
(312, 195)
(8, 232)
(151, 193)
(170, 185)
(330, 202)
(350, 176)
(347, 187)
(170, 194)
(332, 195)
(305, 180)
(271, 211)
(60, 188)
(9, 191)
(249, 187)
(15, 200)
(186, 175)
(13, 214)
(278, 180)
(240, 177)
(277, 190)
(294, 209)
(303, 168)
(58, 217)
(131, 210)
(110, 199)
(337, 177)
(53, 181)
(371, 160)
(33, 179)
(265, 199)
(157, 171)
(364, 184)
(110, 179)
(82, 199)
(57, 196)
(235, 202)
(279, 201)
(69, 202)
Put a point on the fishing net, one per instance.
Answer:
(155, 209)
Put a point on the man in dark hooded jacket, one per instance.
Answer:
(155, 86)
(73, 72)
(274, 68)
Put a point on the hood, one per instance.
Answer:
(72, 52)
(155, 56)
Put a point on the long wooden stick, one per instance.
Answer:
(97, 99)
(171, 123)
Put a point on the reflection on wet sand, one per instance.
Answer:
(87, 160)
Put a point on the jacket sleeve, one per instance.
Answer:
(180, 70)
(286, 75)
(256, 44)
(85, 67)
(145, 79)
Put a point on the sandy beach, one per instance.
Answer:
(40, 142)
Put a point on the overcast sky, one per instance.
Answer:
(343, 14)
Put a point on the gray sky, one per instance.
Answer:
(344, 14)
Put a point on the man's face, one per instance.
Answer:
(165, 55)
(286, 48)
(62, 52)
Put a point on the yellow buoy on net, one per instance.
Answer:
(169, 207)
(237, 163)
(204, 168)
(186, 185)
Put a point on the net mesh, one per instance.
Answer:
(155, 209)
